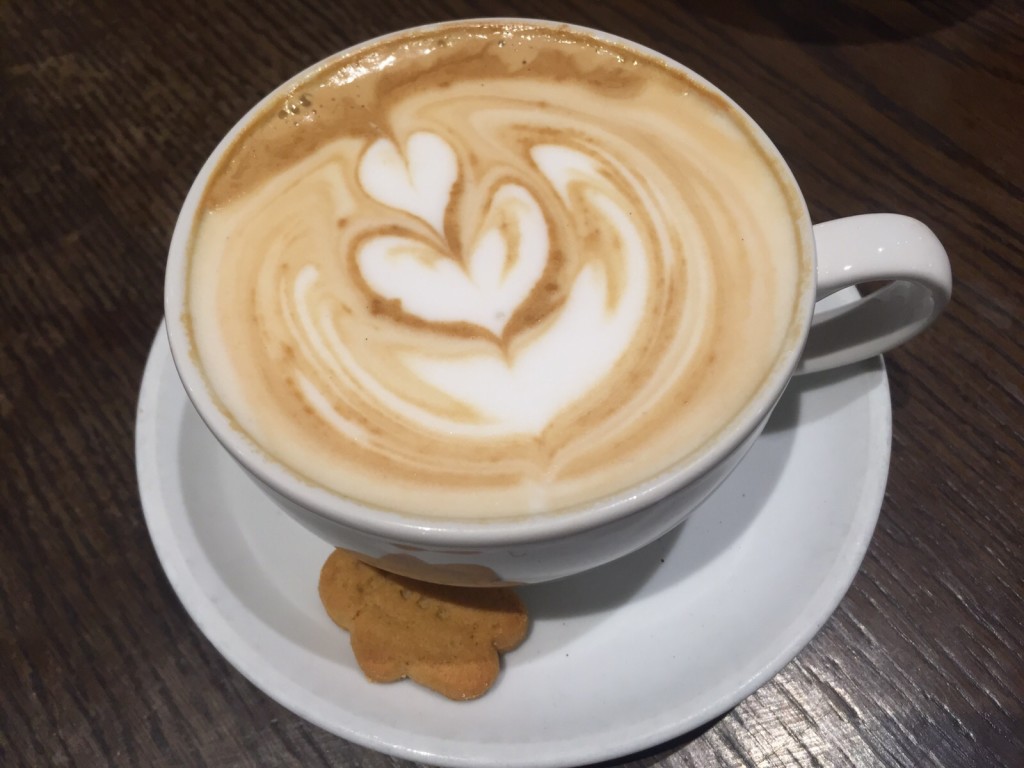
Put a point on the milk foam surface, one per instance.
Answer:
(491, 272)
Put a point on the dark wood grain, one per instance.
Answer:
(108, 109)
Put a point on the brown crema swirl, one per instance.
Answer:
(492, 271)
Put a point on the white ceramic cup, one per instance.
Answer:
(874, 247)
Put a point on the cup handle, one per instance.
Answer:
(874, 247)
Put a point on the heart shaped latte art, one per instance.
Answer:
(505, 260)
(510, 393)
(419, 183)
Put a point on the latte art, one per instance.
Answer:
(491, 282)
(509, 388)
(492, 273)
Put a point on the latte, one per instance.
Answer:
(493, 270)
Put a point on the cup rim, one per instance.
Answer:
(415, 530)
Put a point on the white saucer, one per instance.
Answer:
(619, 659)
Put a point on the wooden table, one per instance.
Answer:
(108, 110)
